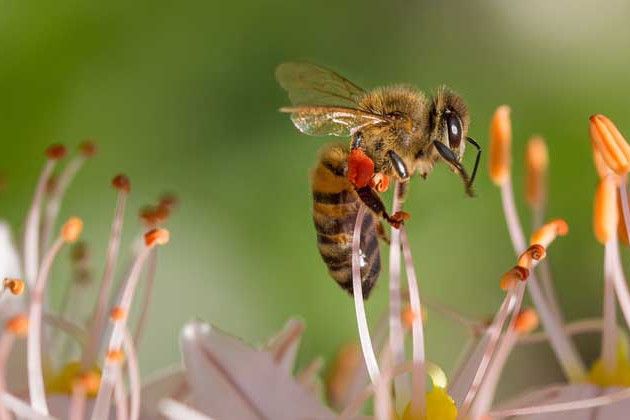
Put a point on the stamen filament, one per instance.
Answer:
(34, 358)
(134, 376)
(609, 333)
(362, 325)
(175, 410)
(76, 410)
(122, 412)
(98, 319)
(6, 345)
(146, 298)
(625, 208)
(21, 408)
(418, 400)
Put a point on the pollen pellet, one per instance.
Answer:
(71, 230)
(536, 162)
(56, 151)
(526, 321)
(613, 147)
(500, 145)
(117, 313)
(512, 277)
(18, 325)
(115, 355)
(156, 237)
(605, 213)
(15, 286)
(360, 168)
(121, 183)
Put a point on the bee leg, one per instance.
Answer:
(382, 233)
(369, 197)
(398, 165)
(448, 155)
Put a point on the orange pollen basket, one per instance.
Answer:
(360, 168)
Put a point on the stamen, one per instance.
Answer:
(18, 325)
(500, 145)
(118, 313)
(418, 402)
(605, 216)
(600, 166)
(134, 376)
(513, 277)
(69, 233)
(56, 152)
(6, 346)
(549, 232)
(609, 334)
(526, 321)
(382, 393)
(341, 376)
(532, 256)
(15, 286)
(362, 325)
(396, 337)
(146, 298)
(123, 185)
(77, 402)
(31, 225)
(536, 163)
(87, 149)
(101, 408)
(176, 410)
(613, 147)
(120, 398)
(22, 409)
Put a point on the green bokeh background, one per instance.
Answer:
(181, 96)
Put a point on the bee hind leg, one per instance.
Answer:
(382, 233)
(369, 197)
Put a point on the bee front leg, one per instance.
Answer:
(369, 197)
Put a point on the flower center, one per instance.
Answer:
(440, 406)
(71, 375)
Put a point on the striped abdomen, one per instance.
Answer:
(335, 207)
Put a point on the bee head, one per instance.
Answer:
(449, 121)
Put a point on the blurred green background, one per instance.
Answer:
(181, 96)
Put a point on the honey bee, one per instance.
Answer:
(394, 132)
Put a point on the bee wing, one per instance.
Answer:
(331, 121)
(309, 84)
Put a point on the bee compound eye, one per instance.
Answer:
(454, 129)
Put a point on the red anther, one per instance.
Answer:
(121, 183)
(512, 277)
(156, 237)
(398, 219)
(88, 148)
(56, 151)
(380, 182)
(360, 168)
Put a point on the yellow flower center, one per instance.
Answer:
(70, 375)
(620, 376)
(440, 406)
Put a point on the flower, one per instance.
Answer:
(42, 375)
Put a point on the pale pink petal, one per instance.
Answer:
(170, 384)
(285, 345)
(556, 394)
(230, 380)
(58, 405)
(9, 267)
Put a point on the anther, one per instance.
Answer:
(408, 316)
(526, 321)
(536, 163)
(71, 230)
(605, 213)
(15, 286)
(613, 147)
(87, 148)
(18, 325)
(117, 313)
(549, 232)
(115, 355)
(156, 237)
(513, 277)
(56, 151)
(90, 381)
(121, 183)
(532, 254)
(169, 201)
(500, 145)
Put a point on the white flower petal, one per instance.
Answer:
(230, 380)
(558, 394)
(285, 345)
(170, 383)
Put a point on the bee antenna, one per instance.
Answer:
(448, 155)
(477, 159)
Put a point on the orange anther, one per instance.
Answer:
(56, 151)
(380, 182)
(610, 143)
(500, 145)
(532, 254)
(408, 316)
(18, 325)
(15, 286)
(512, 277)
(87, 148)
(156, 236)
(622, 233)
(90, 381)
(118, 313)
(115, 355)
(360, 168)
(121, 183)
(71, 230)
(549, 231)
(526, 321)
(605, 212)
(536, 163)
